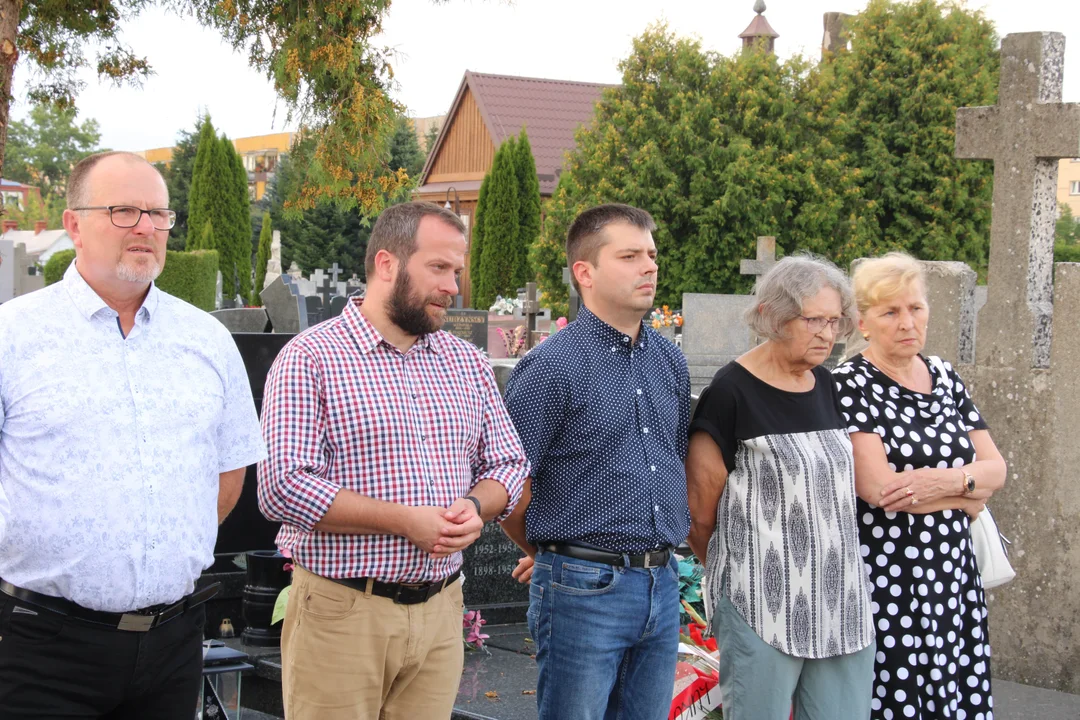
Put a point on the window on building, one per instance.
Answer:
(271, 163)
(249, 163)
(1074, 187)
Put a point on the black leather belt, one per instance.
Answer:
(135, 621)
(401, 593)
(656, 558)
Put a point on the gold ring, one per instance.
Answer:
(914, 501)
(909, 492)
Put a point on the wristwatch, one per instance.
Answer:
(969, 483)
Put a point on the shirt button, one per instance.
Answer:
(639, 391)
(653, 468)
(656, 508)
(645, 430)
(626, 338)
(612, 348)
(423, 437)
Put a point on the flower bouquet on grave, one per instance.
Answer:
(505, 306)
(696, 694)
(514, 341)
(472, 630)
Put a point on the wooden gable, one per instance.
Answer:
(467, 151)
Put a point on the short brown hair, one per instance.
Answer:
(395, 230)
(78, 189)
(586, 235)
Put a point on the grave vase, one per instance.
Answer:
(266, 578)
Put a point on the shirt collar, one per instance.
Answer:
(609, 335)
(89, 303)
(368, 338)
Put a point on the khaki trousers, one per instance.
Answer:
(350, 655)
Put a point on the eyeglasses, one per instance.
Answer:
(839, 326)
(128, 216)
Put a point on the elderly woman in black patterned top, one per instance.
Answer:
(772, 511)
(924, 463)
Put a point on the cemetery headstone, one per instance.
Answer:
(574, 299)
(471, 325)
(285, 306)
(337, 305)
(218, 291)
(315, 314)
(243, 320)
(294, 271)
(273, 265)
(489, 586)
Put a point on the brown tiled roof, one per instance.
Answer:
(551, 110)
(759, 27)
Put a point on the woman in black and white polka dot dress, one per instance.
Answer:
(924, 464)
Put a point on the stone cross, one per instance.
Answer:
(766, 257)
(335, 271)
(1025, 135)
(530, 309)
(324, 287)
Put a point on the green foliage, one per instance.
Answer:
(178, 174)
(320, 236)
(209, 176)
(42, 151)
(57, 265)
(205, 240)
(191, 276)
(59, 39)
(848, 158)
(405, 152)
(476, 248)
(321, 60)
(1066, 253)
(891, 102)
(430, 138)
(1067, 230)
(237, 276)
(501, 249)
(720, 150)
(263, 258)
(529, 212)
(51, 211)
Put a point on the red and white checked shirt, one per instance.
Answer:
(343, 408)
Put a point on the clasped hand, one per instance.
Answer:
(441, 532)
(915, 487)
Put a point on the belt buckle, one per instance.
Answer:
(648, 561)
(136, 623)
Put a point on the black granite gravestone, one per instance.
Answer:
(471, 325)
(489, 587)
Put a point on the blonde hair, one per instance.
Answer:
(886, 277)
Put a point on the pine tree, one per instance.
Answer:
(476, 248)
(240, 222)
(263, 258)
(208, 198)
(501, 227)
(529, 213)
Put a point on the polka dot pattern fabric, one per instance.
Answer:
(933, 651)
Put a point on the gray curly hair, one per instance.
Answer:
(781, 292)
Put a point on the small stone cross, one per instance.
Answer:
(323, 288)
(335, 271)
(1025, 135)
(766, 257)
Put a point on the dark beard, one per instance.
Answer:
(409, 313)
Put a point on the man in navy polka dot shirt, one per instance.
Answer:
(602, 408)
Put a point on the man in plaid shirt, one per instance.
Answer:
(389, 446)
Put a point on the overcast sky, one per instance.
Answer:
(436, 44)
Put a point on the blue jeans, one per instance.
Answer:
(606, 638)
(758, 682)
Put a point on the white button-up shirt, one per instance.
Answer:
(111, 447)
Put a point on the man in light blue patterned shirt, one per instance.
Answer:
(126, 425)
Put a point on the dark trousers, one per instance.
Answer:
(53, 666)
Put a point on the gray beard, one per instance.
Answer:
(144, 274)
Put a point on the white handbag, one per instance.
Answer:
(987, 541)
(990, 552)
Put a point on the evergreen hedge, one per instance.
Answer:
(57, 265)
